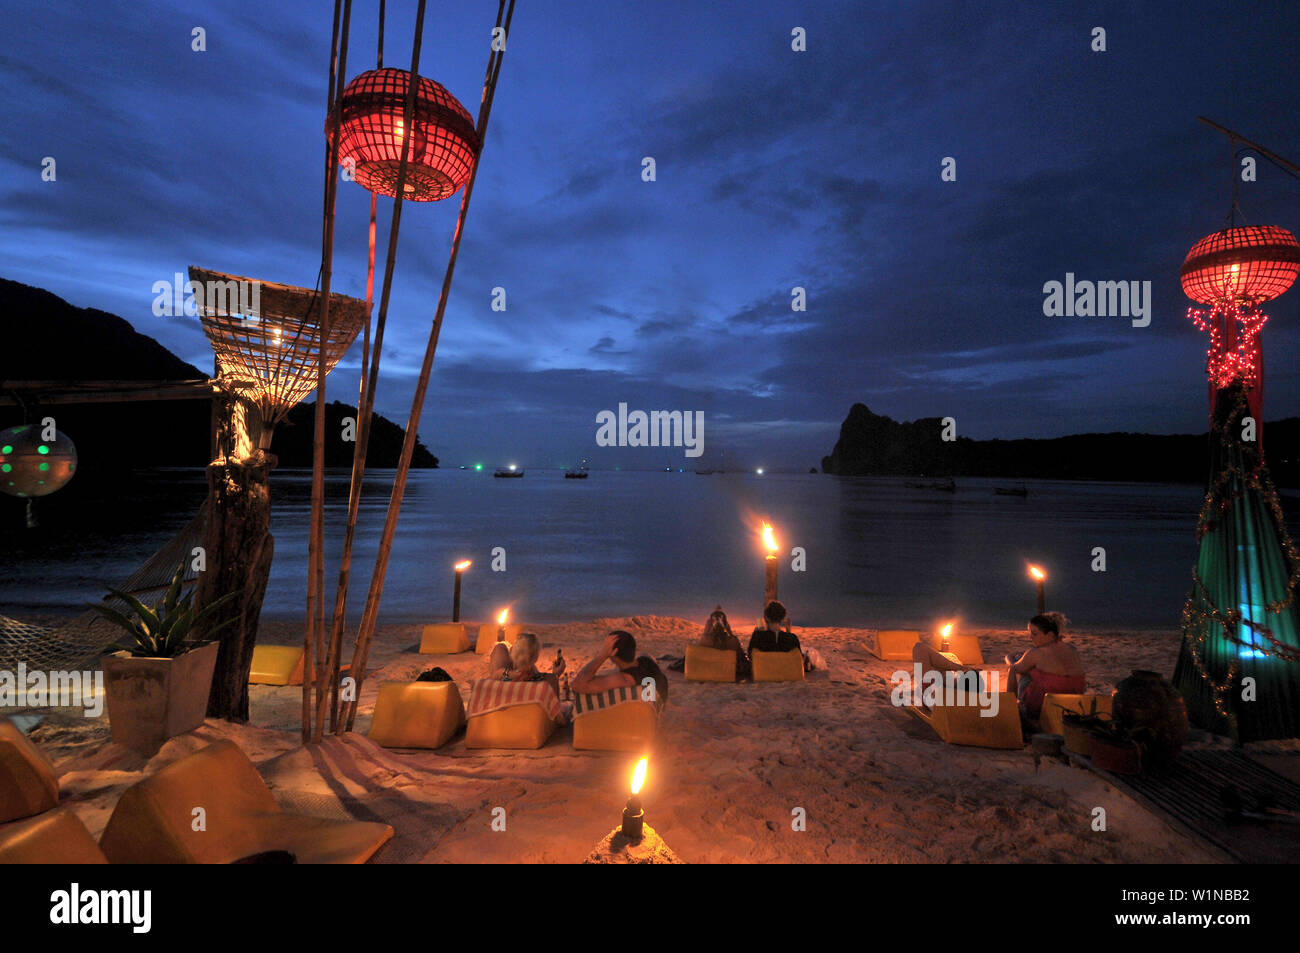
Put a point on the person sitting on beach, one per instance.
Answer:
(1050, 666)
(718, 635)
(927, 652)
(629, 670)
(770, 636)
(518, 663)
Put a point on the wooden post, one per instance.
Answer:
(238, 547)
(769, 580)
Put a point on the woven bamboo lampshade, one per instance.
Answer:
(444, 147)
(31, 466)
(1247, 265)
(268, 339)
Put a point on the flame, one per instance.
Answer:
(638, 776)
(947, 629)
(463, 565)
(1037, 573)
(768, 539)
(501, 619)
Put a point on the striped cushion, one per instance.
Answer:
(608, 699)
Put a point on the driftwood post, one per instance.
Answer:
(238, 547)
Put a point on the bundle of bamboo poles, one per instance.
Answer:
(325, 659)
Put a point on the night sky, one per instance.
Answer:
(775, 169)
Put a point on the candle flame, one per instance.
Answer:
(769, 540)
(463, 565)
(638, 776)
(1037, 573)
(501, 619)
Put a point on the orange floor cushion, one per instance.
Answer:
(627, 726)
(519, 726)
(55, 837)
(966, 725)
(777, 666)
(966, 648)
(155, 820)
(28, 783)
(444, 638)
(416, 714)
(891, 644)
(707, 664)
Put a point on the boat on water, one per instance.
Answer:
(946, 486)
(704, 472)
(1020, 490)
(510, 471)
(577, 473)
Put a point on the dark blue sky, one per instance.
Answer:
(775, 169)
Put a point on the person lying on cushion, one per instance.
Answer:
(927, 652)
(628, 670)
(718, 635)
(1050, 666)
(519, 662)
(770, 636)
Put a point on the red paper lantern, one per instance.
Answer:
(444, 143)
(1246, 265)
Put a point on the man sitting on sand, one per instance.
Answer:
(518, 663)
(629, 670)
(1050, 666)
(770, 636)
(718, 635)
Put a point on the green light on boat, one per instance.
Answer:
(7, 448)
(42, 449)
(6, 467)
(43, 467)
(478, 466)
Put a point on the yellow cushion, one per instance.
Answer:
(1054, 706)
(965, 725)
(55, 837)
(519, 726)
(276, 665)
(444, 638)
(28, 784)
(778, 666)
(966, 648)
(487, 636)
(706, 664)
(154, 820)
(416, 714)
(629, 726)
(892, 644)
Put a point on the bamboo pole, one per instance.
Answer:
(312, 648)
(366, 633)
(366, 410)
(1238, 137)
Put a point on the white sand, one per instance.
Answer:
(732, 763)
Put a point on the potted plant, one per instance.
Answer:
(1111, 745)
(157, 682)
(1077, 727)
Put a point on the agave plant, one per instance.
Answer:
(160, 632)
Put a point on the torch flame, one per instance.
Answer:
(501, 619)
(638, 776)
(1037, 573)
(463, 565)
(946, 630)
(768, 539)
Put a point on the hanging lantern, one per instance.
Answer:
(1234, 271)
(444, 143)
(267, 337)
(1246, 265)
(30, 466)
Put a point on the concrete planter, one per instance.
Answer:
(153, 699)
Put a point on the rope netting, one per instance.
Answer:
(79, 643)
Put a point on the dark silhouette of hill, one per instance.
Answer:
(871, 444)
(47, 339)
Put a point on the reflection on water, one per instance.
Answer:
(878, 552)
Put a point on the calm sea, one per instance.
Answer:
(876, 551)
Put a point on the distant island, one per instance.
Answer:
(874, 445)
(48, 339)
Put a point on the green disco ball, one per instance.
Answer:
(30, 466)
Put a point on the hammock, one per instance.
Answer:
(79, 644)
(1241, 619)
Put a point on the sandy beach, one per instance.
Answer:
(731, 765)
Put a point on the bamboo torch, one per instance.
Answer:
(769, 565)
(460, 568)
